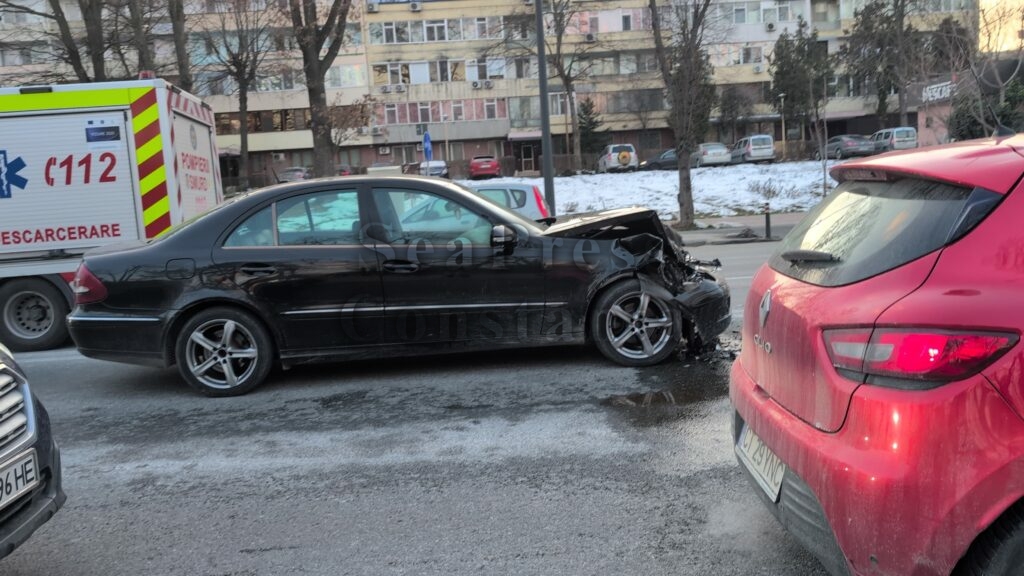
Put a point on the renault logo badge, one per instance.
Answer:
(764, 308)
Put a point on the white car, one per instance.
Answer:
(618, 158)
(525, 199)
(437, 168)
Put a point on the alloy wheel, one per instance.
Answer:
(638, 326)
(221, 354)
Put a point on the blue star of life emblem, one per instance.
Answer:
(9, 177)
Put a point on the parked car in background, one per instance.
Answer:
(667, 160)
(618, 158)
(525, 199)
(294, 174)
(879, 395)
(710, 154)
(902, 138)
(484, 167)
(847, 146)
(756, 148)
(343, 170)
(342, 267)
(31, 489)
(438, 168)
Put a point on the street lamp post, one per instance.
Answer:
(782, 114)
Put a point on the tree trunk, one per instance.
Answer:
(139, 36)
(176, 9)
(67, 40)
(243, 136)
(323, 145)
(882, 109)
(685, 192)
(577, 146)
(95, 44)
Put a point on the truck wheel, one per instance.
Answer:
(32, 314)
(224, 352)
(633, 328)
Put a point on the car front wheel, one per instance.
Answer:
(224, 352)
(633, 328)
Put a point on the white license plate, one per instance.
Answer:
(18, 477)
(765, 466)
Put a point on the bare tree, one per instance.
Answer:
(350, 120)
(66, 44)
(733, 106)
(996, 59)
(240, 39)
(320, 34)
(680, 47)
(567, 48)
(176, 13)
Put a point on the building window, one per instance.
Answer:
(481, 27)
(627, 22)
(751, 55)
(391, 114)
(739, 15)
(594, 23)
(490, 108)
(425, 115)
(436, 30)
(457, 113)
(525, 67)
(557, 104)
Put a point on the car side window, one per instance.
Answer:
(318, 219)
(256, 230)
(411, 216)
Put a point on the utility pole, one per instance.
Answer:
(547, 158)
(782, 113)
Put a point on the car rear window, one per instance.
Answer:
(483, 157)
(624, 148)
(905, 134)
(761, 141)
(873, 227)
(715, 148)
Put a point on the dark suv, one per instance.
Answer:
(30, 479)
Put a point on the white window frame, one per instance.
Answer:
(421, 106)
(390, 110)
(458, 111)
(491, 104)
(432, 28)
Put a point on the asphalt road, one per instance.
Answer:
(528, 462)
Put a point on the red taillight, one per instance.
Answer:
(540, 202)
(87, 287)
(920, 355)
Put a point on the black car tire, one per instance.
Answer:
(999, 551)
(623, 343)
(32, 313)
(839, 154)
(218, 345)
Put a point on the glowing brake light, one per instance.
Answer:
(915, 357)
(540, 202)
(87, 287)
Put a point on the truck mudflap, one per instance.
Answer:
(687, 284)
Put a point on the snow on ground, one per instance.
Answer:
(717, 191)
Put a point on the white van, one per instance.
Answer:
(754, 148)
(900, 138)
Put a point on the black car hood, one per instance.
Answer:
(608, 224)
(616, 224)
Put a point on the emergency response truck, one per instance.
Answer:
(82, 165)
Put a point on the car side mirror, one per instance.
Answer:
(504, 237)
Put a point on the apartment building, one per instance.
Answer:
(463, 71)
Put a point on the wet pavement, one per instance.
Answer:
(527, 462)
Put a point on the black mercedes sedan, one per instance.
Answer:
(374, 267)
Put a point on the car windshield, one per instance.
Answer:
(622, 148)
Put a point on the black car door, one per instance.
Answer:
(444, 284)
(303, 261)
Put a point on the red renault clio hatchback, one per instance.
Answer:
(879, 394)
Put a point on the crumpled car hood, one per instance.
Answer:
(617, 224)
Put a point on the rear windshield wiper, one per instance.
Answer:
(802, 256)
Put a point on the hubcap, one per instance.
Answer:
(638, 326)
(28, 315)
(221, 354)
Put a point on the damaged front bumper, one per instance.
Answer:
(699, 294)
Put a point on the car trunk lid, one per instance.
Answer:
(859, 252)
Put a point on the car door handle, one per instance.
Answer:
(258, 270)
(400, 266)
